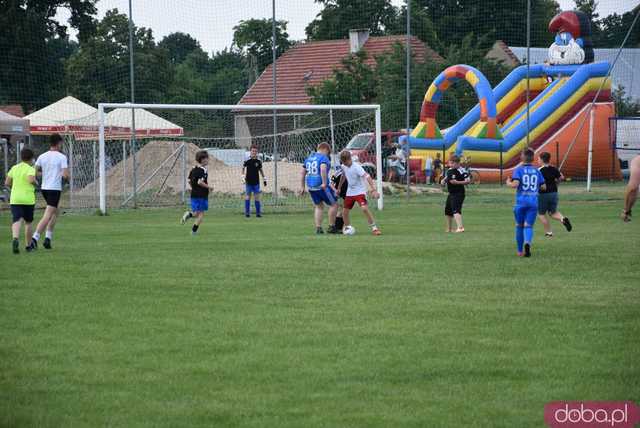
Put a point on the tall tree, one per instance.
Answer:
(34, 46)
(337, 17)
(179, 46)
(99, 70)
(615, 28)
(254, 36)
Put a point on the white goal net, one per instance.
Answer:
(113, 168)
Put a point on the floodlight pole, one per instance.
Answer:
(408, 98)
(274, 80)
(528, 65)
(133, 111)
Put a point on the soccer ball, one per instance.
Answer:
(349, 230)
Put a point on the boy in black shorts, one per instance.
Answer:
(341, 193)
(21, 178)
(455, 179)
(251, 172)
(548, 198)
(198, 181)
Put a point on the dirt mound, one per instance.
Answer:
(160, 171)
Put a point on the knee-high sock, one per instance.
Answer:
(247, 206)
(258, 207)
(528, 234)
(520, 238)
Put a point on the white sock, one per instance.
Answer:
(49, 234)
(36, 236)
(373, 226)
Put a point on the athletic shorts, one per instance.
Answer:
(454, 204)
(52, 197)
(525, 214)
(547, 203)
(319, 196)
(350, 201)
(199, 204)
(342, 192)
(24, 212)
(252, 188)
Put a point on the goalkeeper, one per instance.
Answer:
(251, 172)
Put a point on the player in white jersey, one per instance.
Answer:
(53, 167)
(357, 180)
(631, 192)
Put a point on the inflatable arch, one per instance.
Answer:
(428, 128)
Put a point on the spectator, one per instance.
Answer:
(428, 166)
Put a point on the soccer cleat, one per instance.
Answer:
(16, 246)
(333, 230)
(567, 224)
(319, 231)
(460, 230)
(30, 248)
(376, 232)
(185, 217)
(548, 234)
(46, 244)
(259, 215)
(34, 243)
(247, 215)
(527, 250)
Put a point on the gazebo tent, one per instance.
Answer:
(55, 118)
(13, 125)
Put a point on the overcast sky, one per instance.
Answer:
(211, 21)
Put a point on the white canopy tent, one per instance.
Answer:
(55, 118)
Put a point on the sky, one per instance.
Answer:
(211, 22)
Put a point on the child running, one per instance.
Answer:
(251, 172)
(528, 181)
(456, 178)
(548, 198)
(21, 178)
(357, 179)
(199, 191)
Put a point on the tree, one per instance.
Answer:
(254, 38)
(589, 7)
(99, 70)
(625, 105)
(339, 16)
(614, 28)
(179, 46)
(34, 46)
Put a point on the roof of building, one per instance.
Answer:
(310, 63)
(501, 52)
(13, 109)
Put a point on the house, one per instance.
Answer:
(309, 64)
(501, 53)
(13, 109)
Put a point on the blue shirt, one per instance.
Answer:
(312, 165)
(529, 181)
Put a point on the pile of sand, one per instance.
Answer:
(169, 178)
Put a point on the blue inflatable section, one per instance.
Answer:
(579, 75)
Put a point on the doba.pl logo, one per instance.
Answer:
(591, 414)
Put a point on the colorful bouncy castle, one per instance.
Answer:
(495, 131)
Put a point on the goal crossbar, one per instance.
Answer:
(235, 107)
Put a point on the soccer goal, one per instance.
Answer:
(115, 167)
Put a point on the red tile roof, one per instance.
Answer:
(13, 109)
(316, 60)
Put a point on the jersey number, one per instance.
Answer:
(529, 182)
(312, 168)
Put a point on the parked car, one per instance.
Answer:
(363, 146)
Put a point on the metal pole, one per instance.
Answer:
(124, 169)
(333, 137)
(133, 111)
(528, 65)
(103, 178)
(408, 97)
(501, 164)
(6, 156)
(95, 158)
(274, 81)
(590, 158)
(72, 162)
(558, 154)
(379, 158)
(184, 174)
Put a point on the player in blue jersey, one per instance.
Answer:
(528, 181)
(315, 176)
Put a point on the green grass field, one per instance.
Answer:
(130, 321)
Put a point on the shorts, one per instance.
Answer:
(427, 173)
(24, 212)
(454, 204)
(525, 214)
(327, 196)
(547, 203)
(199, 204)
(350, 201)
(52, 197)
(342, 192)
(252, 188)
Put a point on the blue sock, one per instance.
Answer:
(520, 238)
(258, 208)
(528, 234)
(247, 207)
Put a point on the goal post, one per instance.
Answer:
(167, 136)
